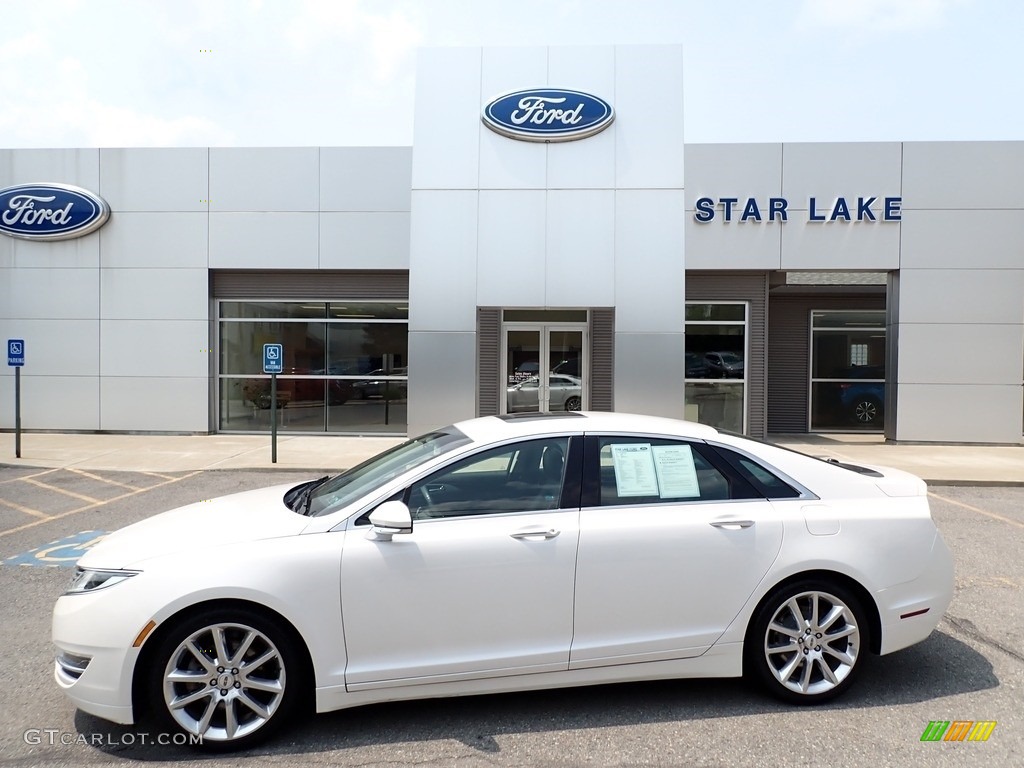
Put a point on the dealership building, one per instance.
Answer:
(548, 242)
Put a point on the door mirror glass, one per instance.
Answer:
(390, 518)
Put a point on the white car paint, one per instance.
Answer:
(524, 600)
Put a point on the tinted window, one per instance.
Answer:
(775, 487)
(522, 477)
(637, 470)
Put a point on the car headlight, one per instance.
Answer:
(92, 579)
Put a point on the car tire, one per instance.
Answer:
(866, 410)
(233, 676)
(807, 642)
(573, 404)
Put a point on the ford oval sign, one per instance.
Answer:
(50, 211)
(548, 114)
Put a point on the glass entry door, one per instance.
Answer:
(545, 368)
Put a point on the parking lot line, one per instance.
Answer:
(91, 476)
(97, 505)
(980, 511)
(26, 510)
(26, 477)
(157, 474)
(72, 494)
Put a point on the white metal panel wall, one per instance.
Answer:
(796, 173)
(649, 274)
(446, 143)
(649, 113)
(732, 170)
(156, 180)
(78, 166)
(50, 297)
(579, 268)
(154, 292)
(961, 314)
(365, 179)
(117, 323)
(508, 164)
(444, 254)
(586, 164)
(544, 218)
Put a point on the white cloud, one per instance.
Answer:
(317, 21)
(384, 41)
(90, 123)
(393, 43)
(106, 125)
(877, 15)
(29, 45)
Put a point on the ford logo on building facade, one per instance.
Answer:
(548, 114)
(50, 211)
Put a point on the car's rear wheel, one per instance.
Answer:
(867, 410)
(807, 641)
(573, 404)
(230, 676)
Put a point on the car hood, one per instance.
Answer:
(241, 517)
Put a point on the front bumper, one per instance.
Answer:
(95, 658)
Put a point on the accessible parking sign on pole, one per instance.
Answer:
(273, 363)
(273, 358)
(16, 358)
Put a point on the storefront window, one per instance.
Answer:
(345, 366)
(847, 370)
(716, 351)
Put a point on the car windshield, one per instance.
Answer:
(345, 488)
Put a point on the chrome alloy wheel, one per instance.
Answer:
(812, 643)
(865, 411)
(224, 681)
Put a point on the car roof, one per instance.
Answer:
(496, 428)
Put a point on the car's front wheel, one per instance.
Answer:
(231, 677)
(807, 642)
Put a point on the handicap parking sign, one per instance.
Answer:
(16, 352)
(273, 358)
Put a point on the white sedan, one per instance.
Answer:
(503, 554)
(564, 394)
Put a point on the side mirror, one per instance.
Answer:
(390, 518)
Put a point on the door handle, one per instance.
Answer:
(550, 533)
(732, 525)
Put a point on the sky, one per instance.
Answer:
(156, 73)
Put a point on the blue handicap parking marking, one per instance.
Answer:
(62, 553)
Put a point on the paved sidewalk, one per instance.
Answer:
(939, 464)
(182, 453)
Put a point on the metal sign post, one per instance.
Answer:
(388, 369)
(273, 418)
(16, 358)
(273, 363)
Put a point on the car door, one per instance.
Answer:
(672, 543)
(482, 586)
(524, 396)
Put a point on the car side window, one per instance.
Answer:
(521, 477)
(637, 470)
(765, 481)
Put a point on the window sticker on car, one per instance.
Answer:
(634, 469)
(677, 476)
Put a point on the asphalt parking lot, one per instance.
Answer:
(971, 669)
